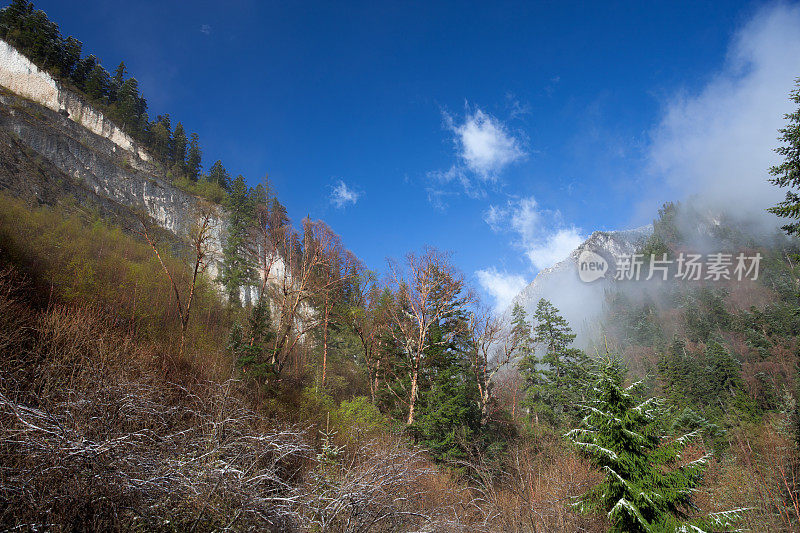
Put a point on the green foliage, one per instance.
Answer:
(206, 189)
(556, 381)
(219, 176)
(705, 313)
(665, 233)
(635, 320)
(194, 158)
(252, 347)
(448, 414)
(84, 260)
(359, 417)
(710, 381)
(787, 173)
(236, 269)
(645, 487)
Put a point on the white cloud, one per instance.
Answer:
(526, 219)
(718, 142)
(341, 195)
(205, 28)
(540, 233)
(485, 145)
(501, 286)
(555, 247)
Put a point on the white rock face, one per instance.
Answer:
(581, 303)
(108, 162)
(19, 75)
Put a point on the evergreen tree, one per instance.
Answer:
(236, 265)
(448, 417)
(97, 83)
(194, 158)
(252, 347)
(787, 173)
(160, 139)
(217, 174)
(556, 381)
(179, 144)
(130, 107)
(521, 332)
(643, 490)
(120, 74)
(82, 70)
(69, 57)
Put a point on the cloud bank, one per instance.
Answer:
(717, 142)
(539, 233)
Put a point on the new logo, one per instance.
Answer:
(591, 266)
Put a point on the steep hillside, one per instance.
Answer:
(56, 148)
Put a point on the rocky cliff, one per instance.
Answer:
(56, 148)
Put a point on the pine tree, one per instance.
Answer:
(448, 417)
(643, 490)
(557, 380)
(787, 174)
(252, 347)
(80, 74)
(97, 83)
(194, 158)
(236, 269)
(179, 143)
(130, 107)
(521, 332)
(217, 174)
(120, 74)
(161, 138)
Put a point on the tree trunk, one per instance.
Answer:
(413, 396)
(325, 343)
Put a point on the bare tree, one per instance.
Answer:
(200, 240)
(428, 289)
(367, 317)
(299, 285)
(270, 234)
(493, 348)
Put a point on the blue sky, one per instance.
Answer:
(504, 132)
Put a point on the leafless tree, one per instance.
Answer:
(368, 318)
(200, 240)
(492, 348)
(301, 284)
(428, 289)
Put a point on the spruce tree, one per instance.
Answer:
(253, 347)
(644, 490)
(97, 83)
(556, 381)
(217, 174)
(448, 417)
(787, 173)
(521, 332)
(179, 143)
(160, 138)
(194, 158)
(236, 268)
